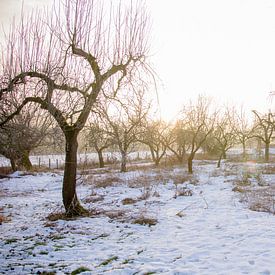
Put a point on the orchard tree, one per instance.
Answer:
(224, 133)
(23, 134)
(155, 134)
(179, 142)
(97, 137)
(63, 60)
(243, 130)
(199, 122)
(123, 117)
(264, 129)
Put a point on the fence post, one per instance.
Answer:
(49, 163)
(39, 162)
(56, 163)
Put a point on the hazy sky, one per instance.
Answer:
(221, 48)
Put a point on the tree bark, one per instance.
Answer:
(100, 158)
(219, 162)
(244, 150)
(25, 162)
(266, 152)
(123, 161)
(190, 163)
(70, 200)
(157, 161)
(13, 164)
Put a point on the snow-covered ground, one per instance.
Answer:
(210, 232)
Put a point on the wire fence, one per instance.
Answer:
(56, 161)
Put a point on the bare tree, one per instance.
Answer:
(63, 60)
(263, 130)
(199, 123)
(155, 134)
(224, 133)
(124, 119)
(179, 142)
(22, 135)
(243, 130)
(98, 138)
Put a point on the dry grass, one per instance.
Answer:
(184, 191)
(93, 198)
(170, 161)
(5, 170)
(127, 201)
(262, 200)
(143, 220)
(239, 189)
(255, 192)
(268, 169)
(102, 182)
(2, 217)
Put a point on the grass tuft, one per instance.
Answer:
(80, 270)
(106, 262)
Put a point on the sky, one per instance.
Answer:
(219, 48)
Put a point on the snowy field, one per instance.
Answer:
(150, 221)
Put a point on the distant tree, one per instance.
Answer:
(155, 134)
(54, 140)
(224, 133)
(124, 118)
(243, 130)
(23, 134)
(179, 142)
(199, 123)
(64, 59)
(98, 138)
(264, 129)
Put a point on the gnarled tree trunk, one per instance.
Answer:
(70, 200)
(24, 161)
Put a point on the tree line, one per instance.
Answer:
(127, 121)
